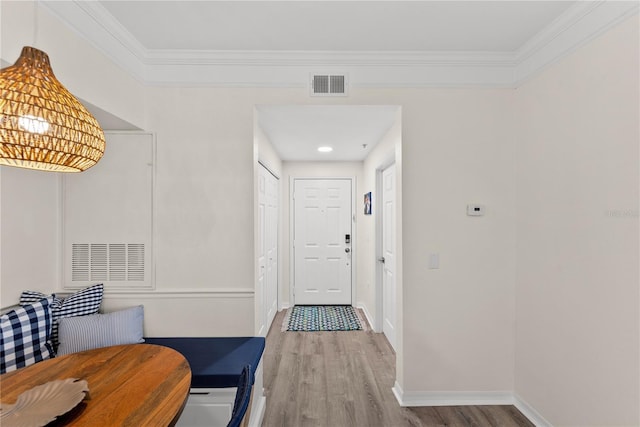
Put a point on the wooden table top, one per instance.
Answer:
(132, 385)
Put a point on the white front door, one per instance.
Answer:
(389, 254)
(322, 241)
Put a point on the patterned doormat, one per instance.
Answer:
(308, 318)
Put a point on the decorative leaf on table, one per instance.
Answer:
(44, 403)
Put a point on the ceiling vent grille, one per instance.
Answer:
(329, 85)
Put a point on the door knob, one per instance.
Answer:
(347, 250)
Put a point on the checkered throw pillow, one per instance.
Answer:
(81, 303)
(26, 333)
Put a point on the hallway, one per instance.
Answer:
(336, 379)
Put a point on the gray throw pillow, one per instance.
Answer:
(100, 330)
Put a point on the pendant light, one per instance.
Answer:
(42, 125)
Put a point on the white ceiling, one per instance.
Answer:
(379, 43)
(351, 130)
(497, 26)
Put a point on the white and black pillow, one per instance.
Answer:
(84, 302)
(26, 334)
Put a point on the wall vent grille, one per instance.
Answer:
(329, 85)
(108, 262)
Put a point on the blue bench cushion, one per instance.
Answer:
(216, 362)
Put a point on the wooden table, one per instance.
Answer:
(129, 385)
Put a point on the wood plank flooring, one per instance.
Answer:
(344, 379)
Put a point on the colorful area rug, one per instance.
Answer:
(309, 318)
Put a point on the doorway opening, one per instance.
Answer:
(366, 139)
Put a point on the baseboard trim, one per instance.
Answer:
(262, 406)
(398, 392)
(529, 412)
(455, 398)
(460, 398)
(363, 307)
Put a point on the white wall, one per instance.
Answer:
(30, 228)
(204, 208)
(458, 148)
(577, 336)
(264, 151)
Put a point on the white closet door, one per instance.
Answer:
(268, 244)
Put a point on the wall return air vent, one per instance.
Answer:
(329, 85)
(108, 262)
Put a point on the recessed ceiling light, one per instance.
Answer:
(325, 149)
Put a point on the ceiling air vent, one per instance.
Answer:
(329, 85)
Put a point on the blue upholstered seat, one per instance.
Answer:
(216, 362)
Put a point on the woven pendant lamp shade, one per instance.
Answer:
(42, 125)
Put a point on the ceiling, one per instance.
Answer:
(229, 34)
(496, 26)
(351, 131)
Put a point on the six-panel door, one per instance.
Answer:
(322, 241)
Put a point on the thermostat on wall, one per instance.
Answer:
(475, 210)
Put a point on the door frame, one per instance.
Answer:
(354, 238)
(379, 291)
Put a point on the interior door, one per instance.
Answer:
(267, 247)
(389, 255)
(271, 247)
(322, 241)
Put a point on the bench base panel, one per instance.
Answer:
(212, 407)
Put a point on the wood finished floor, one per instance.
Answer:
(336, 379)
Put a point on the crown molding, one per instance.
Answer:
(327, 58)
(95, 24)
(576, 26)
(366, 69)
(581, 23)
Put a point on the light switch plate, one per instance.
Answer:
(434, 261)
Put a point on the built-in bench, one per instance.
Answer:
(216, 364)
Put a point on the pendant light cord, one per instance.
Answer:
(35, 23)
